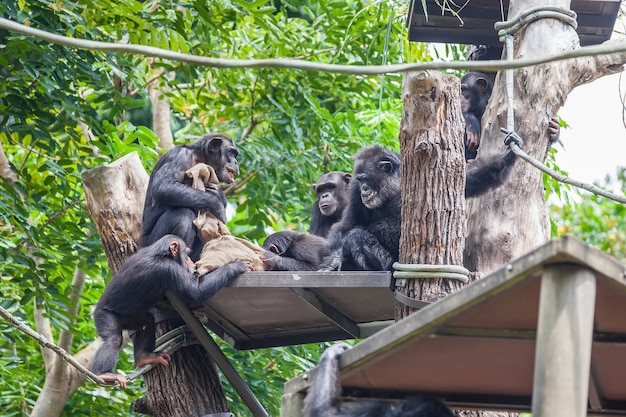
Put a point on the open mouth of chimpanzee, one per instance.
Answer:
(230, 175)
(368, 196)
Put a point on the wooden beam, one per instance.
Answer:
(564, 338)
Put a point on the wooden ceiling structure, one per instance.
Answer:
(472, 22)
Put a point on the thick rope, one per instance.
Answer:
(413, 271)
(561, 178)
(506, 30)
(168, 343)
(22, 327)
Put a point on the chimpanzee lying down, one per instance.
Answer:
(322, 399)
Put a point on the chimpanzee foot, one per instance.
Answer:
(111, 377)
(153, 357)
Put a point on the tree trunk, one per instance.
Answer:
(190, 385)
(432, 182)
(512, 220)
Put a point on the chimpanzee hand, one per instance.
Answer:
(554, 130)
(472, 132)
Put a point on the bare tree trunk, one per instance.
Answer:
(432, 181)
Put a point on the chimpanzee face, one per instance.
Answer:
(378, 178)
(220, 153)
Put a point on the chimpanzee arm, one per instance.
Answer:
(212, 282)
(317, 220)
(167, 188)
(489, 171)
(321, 400)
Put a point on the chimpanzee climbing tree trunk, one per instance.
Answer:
(512, 219)
(190, 385)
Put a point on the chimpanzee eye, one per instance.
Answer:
(385, 166)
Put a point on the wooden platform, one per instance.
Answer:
(266, 309)
(476, 348)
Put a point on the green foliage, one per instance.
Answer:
(297, 126)
(598, 221)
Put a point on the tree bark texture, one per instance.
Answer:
(190, 385)
(432, 181)
(512, 220)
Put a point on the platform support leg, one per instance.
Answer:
(564, 338)
(217, 356)
(291, 404)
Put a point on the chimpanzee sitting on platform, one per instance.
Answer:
(367, 238)
(171, 206)
(322, 400)
(331, 190)
(137, 287)
(294, 251)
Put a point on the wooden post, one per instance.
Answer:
(564, 337)
(432, 181)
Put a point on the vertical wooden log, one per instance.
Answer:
(564, 338)
(432, 181)
(115, 195)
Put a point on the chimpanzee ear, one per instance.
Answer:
(215, 144)
(174, 248)
(482, 84)
(385, 166)
(347, 178)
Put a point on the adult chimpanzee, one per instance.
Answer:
(294, 251)
(476, 89)
(332, 197)
(322, 400)
(138, 286)
(368, 235)
(171, 206)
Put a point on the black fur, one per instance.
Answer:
(476, 88)
(138, 286)
(322, 400)
(368, 236)
(294, 251)
(332, 198)
(171, 206)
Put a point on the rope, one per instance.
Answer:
(506, 30)
(168, 343)
(430, 271)
(512, 26)
(21, 326)
(561, 178)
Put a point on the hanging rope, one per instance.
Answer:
(506, 30)
(561, 178)
(168, 343)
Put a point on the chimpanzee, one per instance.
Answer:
(322, 400)
(332, 197)
(294, 251)
(368, 235)
(137, 287)
(476, 89)
(171, 206)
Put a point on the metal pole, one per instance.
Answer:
(218, 356)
